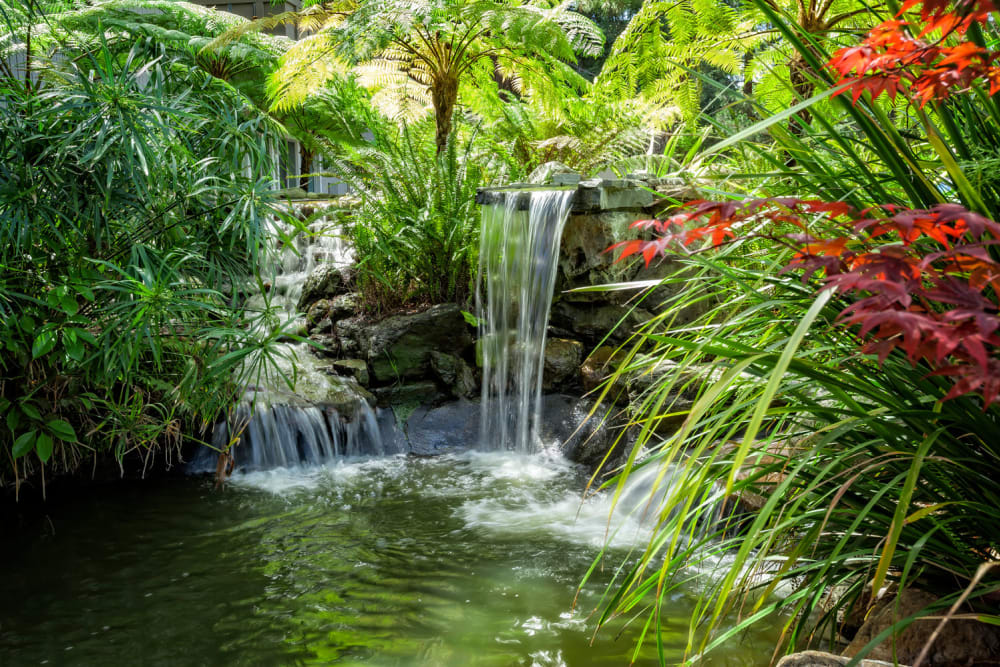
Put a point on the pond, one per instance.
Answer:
(463, 559)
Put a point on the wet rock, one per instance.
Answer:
(820, 659)
(562, 362)
(597, 367)
(581, 437)
(625, 195)
(353, 336)
(455, 374)
(685, 383)
(325, 345)
(593, 321)
(345, 305)
(961, 641)
(585, 262)
(324, 326)
(391, 432)
(355, 368)
(582, 257)
(400, 347)
(345, 396)
(407, 397)
(324, 282)
(454, 425)
(318, 311)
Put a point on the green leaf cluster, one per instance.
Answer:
(134, 207)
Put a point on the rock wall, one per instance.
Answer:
(423, 364)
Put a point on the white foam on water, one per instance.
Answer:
(581, 521)
(514, 466)
(342, 474)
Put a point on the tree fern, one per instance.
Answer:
(402, 46)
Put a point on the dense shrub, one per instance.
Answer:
(133, 202)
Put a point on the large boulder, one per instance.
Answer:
(400, 347)
(962, 641)
(323, 282)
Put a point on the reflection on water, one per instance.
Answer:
(460, 560)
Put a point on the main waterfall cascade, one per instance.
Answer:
(518, 259)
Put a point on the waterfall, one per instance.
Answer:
(518, 256)
(273, 425)
(282, 435)
(292, 256)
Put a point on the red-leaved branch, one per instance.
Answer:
(926, 61)
(921, 281)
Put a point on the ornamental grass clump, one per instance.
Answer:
(850, 351)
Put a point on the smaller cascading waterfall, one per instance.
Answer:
(293, 255)
(275, 427)
(518, 257)
(282, 436)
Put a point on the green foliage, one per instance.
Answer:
(133, 199)
(416, 231)
(421, 55)
(859, 470)
(663, 41)
(862, 474)
(180, 29)
(585, 135)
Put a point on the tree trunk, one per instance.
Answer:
(747, 80)
(305, 166)
(444, 95)
(801, 77)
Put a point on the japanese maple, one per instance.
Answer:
(928, 61)
(923, 282)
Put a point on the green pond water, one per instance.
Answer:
(469, 559)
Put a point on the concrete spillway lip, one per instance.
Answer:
(594, 195)
(497, 196)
